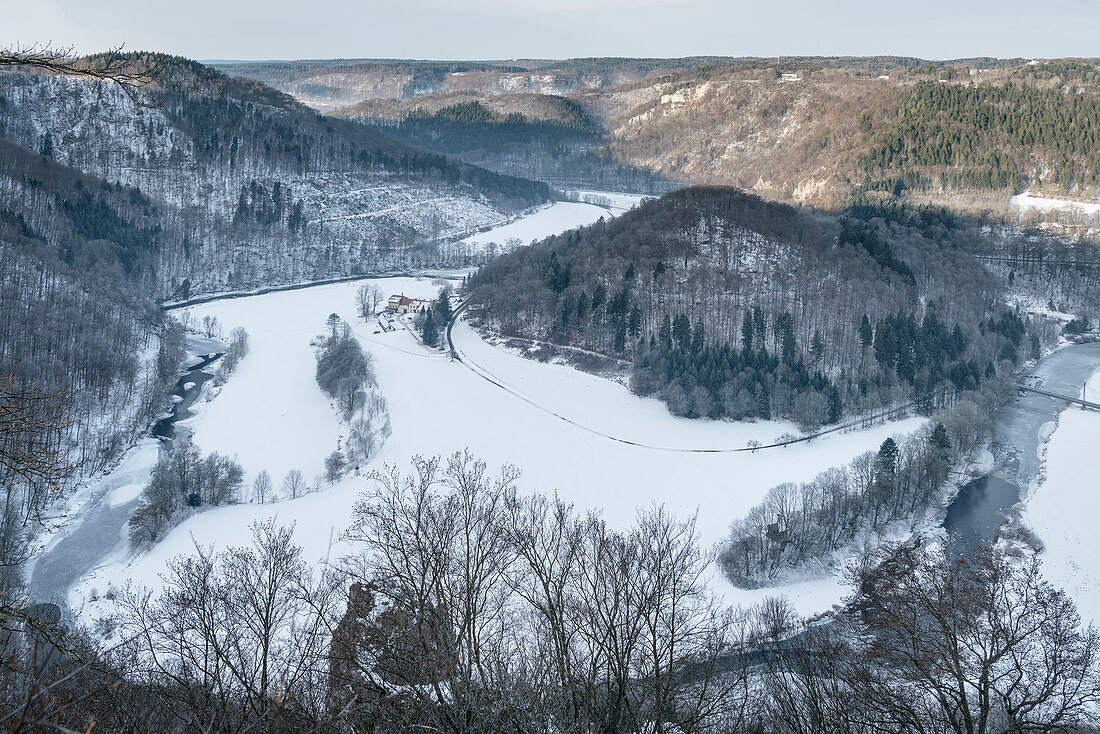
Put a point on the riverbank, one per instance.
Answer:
(95, 524)
(1063, 502)
(1020, 430)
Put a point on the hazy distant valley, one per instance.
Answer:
(797, 129)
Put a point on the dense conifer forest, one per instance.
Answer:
(987, 136)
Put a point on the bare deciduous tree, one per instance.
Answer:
(517, 611)
(211, 328)
(111, 66)
(975, 644)
(294, 483)
(238, 640)
(367, 299)
(261, 486)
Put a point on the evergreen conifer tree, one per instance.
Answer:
(746, 332)
(817, 347)
(443, 307)
(664, 334)
(681, 331)
(836, 406)
(886, 463)
(635, 325)
(866, 334)
(429, 332)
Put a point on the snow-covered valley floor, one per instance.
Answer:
(556, 217)
(272, 416)
(1027, 200)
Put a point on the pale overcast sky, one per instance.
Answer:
(502, 29)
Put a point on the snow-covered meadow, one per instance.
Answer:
(272, 415)
(584, 437)
(616, 202)
(1028, 201)
(1063, 503)
(558, 216)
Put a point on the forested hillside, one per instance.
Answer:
(988, 136)
(107, 206)
(249, 186)
(967, 132)
(815, 130)
(546, 137)
(532, 108)
(325, 84)
(730, 306)
(462, 123)
(85, 357)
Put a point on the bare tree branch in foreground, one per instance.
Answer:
(111, 66)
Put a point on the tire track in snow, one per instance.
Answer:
(459, 356)
(381, 212)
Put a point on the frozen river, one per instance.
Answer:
(100, 529)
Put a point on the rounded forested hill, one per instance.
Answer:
(460, 122)
(732, 306)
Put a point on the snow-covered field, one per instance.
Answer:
(1027, 201)
(1063, 505)
(569, 432)
(272, 415)
(557, 217)
(606, 408)
(612, 200)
